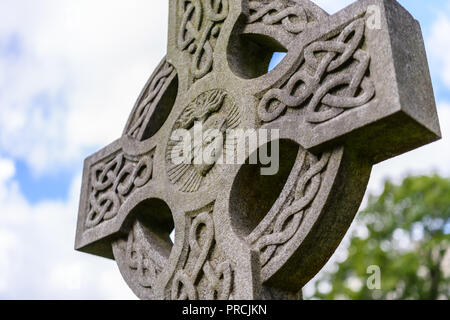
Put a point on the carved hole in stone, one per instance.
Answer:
(156, 218)
(250, 55)
(253, 195)
(162, 110)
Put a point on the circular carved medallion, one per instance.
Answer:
(198, 143)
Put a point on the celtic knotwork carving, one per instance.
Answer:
(200, 269)
(112, 181)
(244, 230)
(216, 112)
(292, 17)
(148, 101)
(139, 257)
(302, 194)
(200, 25)
(332, 78)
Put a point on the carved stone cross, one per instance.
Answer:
(353, 90)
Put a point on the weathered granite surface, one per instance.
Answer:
(354, 89)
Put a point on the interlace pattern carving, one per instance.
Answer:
(200, 267)
(288, 221)
(200, 26)
(291, 16)
(112, 181)
(332, 78)
(149, 101)
(139, 257)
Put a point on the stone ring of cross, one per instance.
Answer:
(353, 90)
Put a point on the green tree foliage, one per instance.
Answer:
(407, 235)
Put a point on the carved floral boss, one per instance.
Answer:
(346, 96)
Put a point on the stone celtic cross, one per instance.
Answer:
(353, 90)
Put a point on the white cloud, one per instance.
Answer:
(438, 46)
(7, 170)
(37, 259)
(69, 74)
(76, 61)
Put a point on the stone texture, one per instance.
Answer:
(354, 89)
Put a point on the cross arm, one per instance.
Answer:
(111, 177)
(363, 82)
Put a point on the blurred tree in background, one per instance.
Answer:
(406, 233)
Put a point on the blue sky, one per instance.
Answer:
(69, 74)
